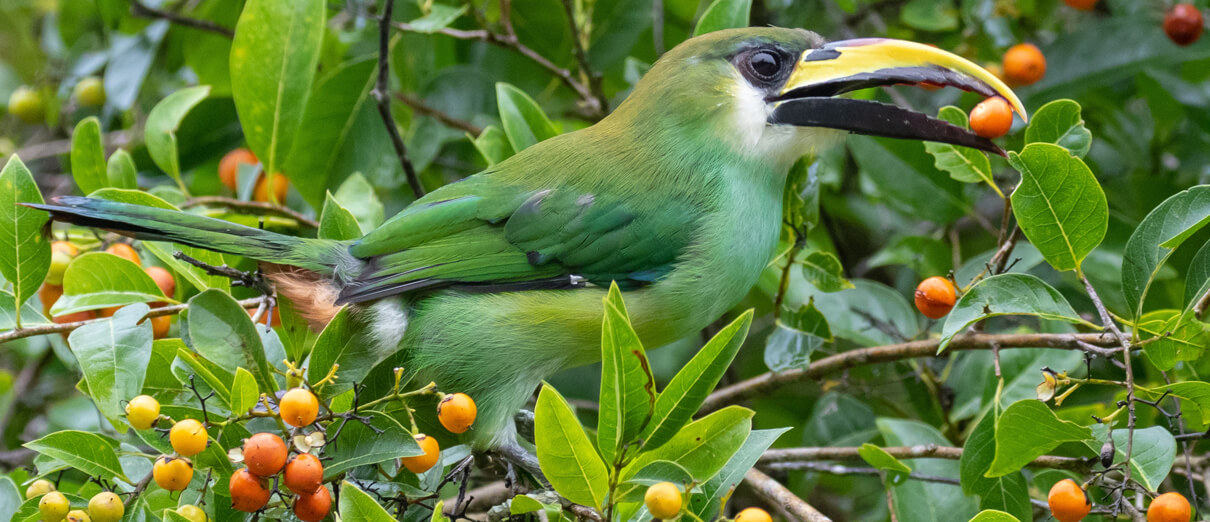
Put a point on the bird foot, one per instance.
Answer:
(516, 456)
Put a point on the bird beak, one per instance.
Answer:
(809, 97)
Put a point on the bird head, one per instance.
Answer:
(775, 94)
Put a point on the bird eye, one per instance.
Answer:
(765, 64)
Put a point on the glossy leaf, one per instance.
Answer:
(88, 156)
(492, 145)
(994, 515)
(1152, 454)
(335, 222)
(1008, 492)
(244, 394)
(24, 251)
(895, 470)
(95, 455)
(99, 279)
(162, 124)
(439, 18)
(722, 484)
(197, 277)
(524, 122)
(915, 500)
(274, 56)
(1007, 294)
(565, 454)
(1197, 279)
(340, 343)
(1059, 122)
(357, 196)
(120, 171)
(113, 355)
(906, 178)
(1195, 393)
(878, 303)
(364, 447)
(30, 315)
(1059, 204)
(220, 330)
(356, 504)
(962, 163)
(684, 394)
(823, 271)
(1163, 230)
(723, 14)
(1027, 430)
(627, 386)
(702, 447)
(217, 378)
(1172, 336)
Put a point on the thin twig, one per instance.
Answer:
(419, 105)
(138, 8)
(111, 140)
(21, 333)
(595, 84)
(777, 495)
(261, 206)
(767, 382)
(138, 489)
(836, 469)
(922, 451)
(1199, 309)
(382, 95)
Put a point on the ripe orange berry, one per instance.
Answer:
(992, 118)
(304, 474)
(422, 463)
(935, 297)
(456, 412)
(172, 473)
(1024, 64)
(86, 315)
(313, 507)
(1183, 24)
(228, 167)
(753, 515)
(163, 279)
(188, 437)
(265, 454)
(48, 294)
(249, 493)
(280, 186)
(160, 326)
(1082, 5)
(663, 500)
(299, 407)
(1169, 507)
(124, 251)
(65, 247)
(1068, 501)
(274, 323)
(142, 411)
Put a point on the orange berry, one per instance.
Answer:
(1082, 5)
(422, 463)
(1183, 24)
(163, 279)
(313, 507)
(663, 500)
(753, 515)
(456, 412)
(188, 437)
(172, 473)
(75, 317)
(276, 321)
(124, 251)
(228, 167)
(160, 326)
(249, 493)
(1169, 507)
(65, 247)
(265, 454)
(1068, 501)
(299, 407)
(108, 312)
(304, 474)
(1024, 64)
(48, 294)
(280, 185)
(992, 118)
(935, 297)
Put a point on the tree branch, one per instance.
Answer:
(382, 95)
(925, 451)
(777, 495)
(21, 333)
(262, 206)
(138, 8)
(112, 140)
(767, 382)
(417, 104)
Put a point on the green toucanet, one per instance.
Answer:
(489, 285)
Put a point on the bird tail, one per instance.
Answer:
(156, 224)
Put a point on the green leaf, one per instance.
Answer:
(364, 447)
(8, 313)
(723, 14)
(95, 455)
(1027, 430)
(244, 393)
(121, 172)
(356, 504)
(1059, 122)
(88, 156)
(677, 403)
(113, 355)
(340, 343)
(492, 144)
(1181, 337)
(275, 70)
(824, 272)
(722, 484)
(217, 378)
(10, 498)
(810, 320)
(336, 222)
(895, 470)
(992, 515)
(659, 471)
(522, 504)
(134, 197)
(963, 164)
(99, 279)
(1059, 204)
(439, 18)
(162, 123)
(565, 454)
(220, 330)
(702, 447)
(877, 302)
(1152, 455)
(524, 122)
(1196, 392)
(24, 252)
(1159, 234)
(197, 277)
(915, 500)
(1007, 492)
(358, 195)
(1007, 294)
(930, 15)
(627, 386)
(1197, 279)
(907, 179)
(797, 335)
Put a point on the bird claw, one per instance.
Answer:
(515, 456)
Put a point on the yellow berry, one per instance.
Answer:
(192, 513)
(26, 104)
(663, 500)
(142, 411)
(172, 473)
(188, 437)
(38, 488)
(106, 506)
(53, 506)
(753, 515)
(90, 92)
(78, 515)
(299, 407)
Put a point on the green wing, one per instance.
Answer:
(484, 236)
